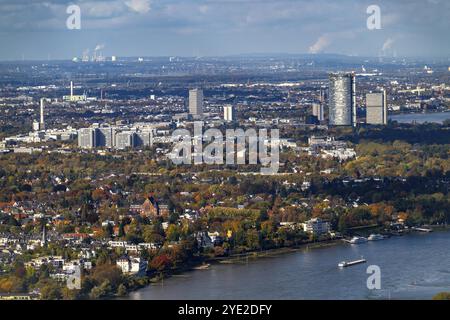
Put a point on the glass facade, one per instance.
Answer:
(342, 106)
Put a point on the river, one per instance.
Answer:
(437, 117)
(414, 266)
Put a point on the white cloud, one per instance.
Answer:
(139, 6)
(102, 9)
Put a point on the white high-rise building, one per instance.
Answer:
(342, 99)
(376, 108)
(87, 138)
(228, 113)
(317, 111)
(124, 139)
(196, 102)
(42, 110)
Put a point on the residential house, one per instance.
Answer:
(131, 265)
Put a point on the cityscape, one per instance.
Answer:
(196, 177)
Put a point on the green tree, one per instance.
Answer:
(122, 290)
(442, 296)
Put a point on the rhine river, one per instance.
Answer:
(437, 117)
(414, 266)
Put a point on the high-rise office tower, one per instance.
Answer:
(144, 138)
(317, 111)
(87, 138)
(342, 99)
(42, 109)
(105, 137)
(196, 102)
(376, 108)
(228, 113)
(125, 139)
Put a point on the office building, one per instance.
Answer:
(105, 137)
(376, 108)
(196, 102)
(87, 138)
(316, 226)
(317, 111)
(144, 138)
(124, 139)
(342, 99)
(228, 113)
(42, 110)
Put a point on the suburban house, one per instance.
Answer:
(130, 265)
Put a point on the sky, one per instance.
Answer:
(36, 29)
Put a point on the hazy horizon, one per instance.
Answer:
(243, 55)
(37, 30)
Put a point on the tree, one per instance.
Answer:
(342, 225)
(51, 291)
(442, 296)
(161, 263)
(107, 272)
(173, 233)
(122, 290)
(102, 290)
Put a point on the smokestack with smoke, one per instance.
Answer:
(321, 43)
(387, 45)
(99, 47)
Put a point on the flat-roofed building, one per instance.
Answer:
(196, 102)
(376, 108)
(124, 139)
(87, 138)
(228, 113)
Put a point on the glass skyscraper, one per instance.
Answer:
(342, 99)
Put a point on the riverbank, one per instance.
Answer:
(314, 274)
(199, 264)
(239, 258)
(245, 258)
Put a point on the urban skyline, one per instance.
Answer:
(150, 154)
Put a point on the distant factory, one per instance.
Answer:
(96, 56)
(74, 98)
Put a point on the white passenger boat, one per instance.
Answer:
(357, 240)
(375, 237)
